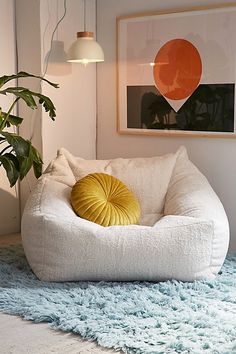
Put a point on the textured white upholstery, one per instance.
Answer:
(184, 232)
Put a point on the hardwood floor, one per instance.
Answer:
(24, 337)
(12, 239)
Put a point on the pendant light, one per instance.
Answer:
(85, 49)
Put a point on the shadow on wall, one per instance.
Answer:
(56, 60)
(9, 213)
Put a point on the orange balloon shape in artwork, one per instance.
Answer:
(178, 69)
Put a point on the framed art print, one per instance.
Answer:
(176, 72)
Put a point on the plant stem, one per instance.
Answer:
(2, 126)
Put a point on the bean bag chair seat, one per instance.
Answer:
(183, 233)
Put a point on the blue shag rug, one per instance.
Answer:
(154, 318)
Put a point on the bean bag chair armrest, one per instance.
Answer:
(190, 194)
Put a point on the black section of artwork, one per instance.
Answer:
(210, 108)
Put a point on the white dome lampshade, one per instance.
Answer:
(85, 49)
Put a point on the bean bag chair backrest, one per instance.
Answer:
(148, 178)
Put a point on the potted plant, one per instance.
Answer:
(18, 155)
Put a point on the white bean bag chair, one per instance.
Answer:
(183, 235)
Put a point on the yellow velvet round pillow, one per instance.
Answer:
(105, 200)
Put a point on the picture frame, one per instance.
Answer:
(176, 72)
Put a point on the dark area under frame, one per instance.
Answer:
(210, 108)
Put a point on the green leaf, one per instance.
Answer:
(4, 79)
(37, 169)
(28, 97)
(14, 159)
(13, 120)
(35, 155)
(34, 159)
(24, 94)
(25, 166)
(9, 166)
(1, 121)
(37, 162)
(20, 145)
(47, 104)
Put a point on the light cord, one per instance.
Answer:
(33, 113)
(85, 25)
(47, 59)
(52, 38)
(47, 24)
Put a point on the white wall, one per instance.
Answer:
(216, 158)
(9, 201)
(75, 100)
